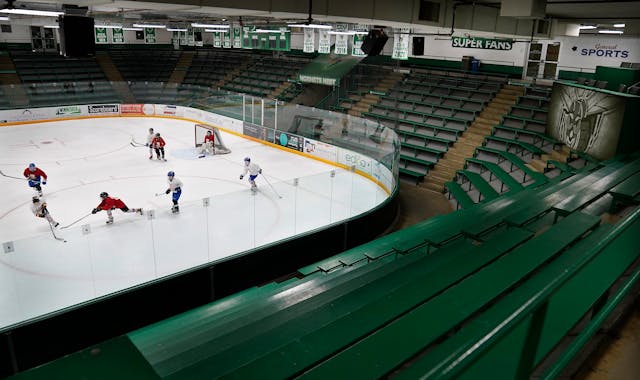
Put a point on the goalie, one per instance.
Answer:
(208, 146)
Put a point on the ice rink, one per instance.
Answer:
(219, 216)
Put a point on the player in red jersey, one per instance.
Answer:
(108, 203)
(36, 176)
(158, 144)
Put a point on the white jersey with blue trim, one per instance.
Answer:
(253, 169)
(174, 184)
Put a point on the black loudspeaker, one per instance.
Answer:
(418, 46)
(76, 36)
(374, 42)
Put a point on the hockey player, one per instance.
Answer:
(208, 146)
(40, 210)
(36, 176)
(150, 138)
(253, 169)
(108, 203)
(158, 144)
(175, 187)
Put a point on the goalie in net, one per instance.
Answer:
(209, 141)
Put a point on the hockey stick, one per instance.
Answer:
(9, 176)
(272, 188)
(136, 144)
(67, 226)
(54, 234)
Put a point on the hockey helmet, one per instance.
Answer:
(150, 129)
(158, 134)
(171, 174)
(103, 194)
(247, 159)
(32, 166)
(209, 132)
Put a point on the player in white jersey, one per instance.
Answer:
(175, 187)
(253, 169)
(150, 138)
(39, 209)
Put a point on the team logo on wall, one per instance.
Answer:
(586, 120)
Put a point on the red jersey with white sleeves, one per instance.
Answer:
(36, 174)
(158, 142)
(208, 138)
(109, 203)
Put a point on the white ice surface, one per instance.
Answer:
(85, 157)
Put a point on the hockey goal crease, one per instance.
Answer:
(218, 144)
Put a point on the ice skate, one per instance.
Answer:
(164, 159)
(109, 221)
(151, 157)
(139, 211)
(40, 193)
(175, 209)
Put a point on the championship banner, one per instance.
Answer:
(309, 45)
(217, 39)
(117, 35)
(101, 35)
(237, 37)
(191, 39)
(342, 44)
(401, 44)
(356, 49)
(149, 36)
(226, 40)
(324, 43)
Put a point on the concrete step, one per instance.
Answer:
(439, 178)
(566, 150)
(537, 165)
(433, 186)
(498, 108)
(355, 97)
(353, 112)
(559, 156)
(484, 120)
(511, 97)
(509, 102)
(509, 91)
(345, 105)
(513, 87)
(481, 124)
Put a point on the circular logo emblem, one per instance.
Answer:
(283, 139)
(148, 109)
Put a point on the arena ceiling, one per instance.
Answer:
(577, 11)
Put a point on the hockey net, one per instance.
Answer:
(201, 132)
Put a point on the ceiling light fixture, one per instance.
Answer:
(212, 26)
(176, 29)
(4, 18)
(586, 27)
(310, 26)
(350, 33)
(217, 30)
(618, 25)
(133, 29)
(31, 12)
(270, 31)
(156, 26)
(51, 26)
(108, 26)
(605, 31)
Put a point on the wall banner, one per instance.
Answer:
(117, 35)
(309, 45)
(401, 44)
(324, 43)
(101, 35)
(237, 37)
(356, 49)
(217, 39)
(149, 36)
(342, 44)
(481, 43)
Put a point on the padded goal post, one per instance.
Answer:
(200, 131)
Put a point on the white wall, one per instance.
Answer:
(588, 52)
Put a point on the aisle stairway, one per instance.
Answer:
(114, 76)
(9, 78)
(363, 103)
(231, 75)
(473, 137)
(180, 71)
